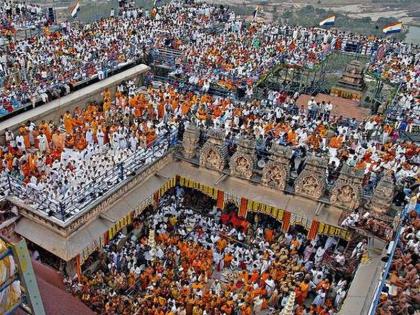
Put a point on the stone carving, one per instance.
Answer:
(213, 153)
(311, 181)
(242, 162)
(347, 190)
(383, 195)
(276, 171)
(190, 141)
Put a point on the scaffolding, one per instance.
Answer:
(20, 286)
(294, 78)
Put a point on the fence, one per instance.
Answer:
(381, 284)
(88, 193)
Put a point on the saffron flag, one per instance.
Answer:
(328, 21)
(74, 9)
(392, 28)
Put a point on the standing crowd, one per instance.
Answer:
(217, 49)
(188, 262)
(59, 159)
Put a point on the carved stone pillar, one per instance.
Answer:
(347, 190)
(242, 162)
(383, 195)
(214, 152)
(277, 169)
(190, 141)
(311, 182)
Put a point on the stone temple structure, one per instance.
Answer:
(351, 85)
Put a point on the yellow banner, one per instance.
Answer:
(207, 190)
(259, 207)
(330, 230)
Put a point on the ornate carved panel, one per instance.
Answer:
(213, 153)
(190, 141)
(345, 195)
(347, 190)
(276, 171)
(311, 181)
(383, 195)
(242, 162)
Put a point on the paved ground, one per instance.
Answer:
(341, 106)
(360, 294)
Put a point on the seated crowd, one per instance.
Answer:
(217, 48)
(183, 261)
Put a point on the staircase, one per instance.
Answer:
(165, 57)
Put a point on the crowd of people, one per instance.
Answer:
(401, 295)
(221, 269)
(217, 48)
(183, 261)
(16, 15)
(59, 159)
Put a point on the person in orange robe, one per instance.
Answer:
(35, 134)
(58, 141)
(255, 275)
(68, 122)
(291, 137)
(268, 235)
(336, 142)
(69, 142)
(80, 142)
(161, 110)
(45, 128)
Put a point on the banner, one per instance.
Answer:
(220, 200)
(168, 185)
(78, 267)
(330, 230)
(207, 190)
(120, 224)
(313, 231)
(243, 209)
(286, 221)
(259, 207)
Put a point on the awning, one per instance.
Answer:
(64, 248)
(85, 236)
(132, 199)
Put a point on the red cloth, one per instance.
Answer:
(224, 218)
(243, 208)
(313, 231)
(236, 222)
(286, 221)
(220, 199)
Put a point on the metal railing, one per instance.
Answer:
(89, 193)
(388, 264)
